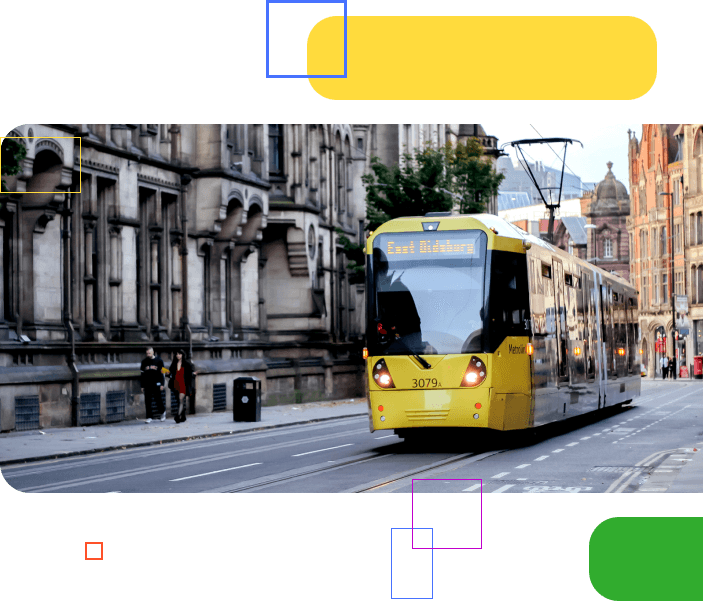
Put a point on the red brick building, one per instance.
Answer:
(657, 260)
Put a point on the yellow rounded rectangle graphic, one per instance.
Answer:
(484, 58)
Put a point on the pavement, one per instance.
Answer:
(52, 443)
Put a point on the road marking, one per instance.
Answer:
(500, 475)
(542, 458)
(112, 492)
(597, 434)
(503, 488)
(521, 478)
(557, 450)
(519, 467)
(474, 487)
(585, 438)
(229, 469)
(380, 437)
(320, 450)
(572, 444)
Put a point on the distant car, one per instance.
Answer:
(644, 372)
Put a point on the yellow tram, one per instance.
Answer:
(473, 323)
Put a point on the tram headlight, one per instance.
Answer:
(381, 376)
(475, 373)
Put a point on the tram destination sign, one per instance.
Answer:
(424, 245)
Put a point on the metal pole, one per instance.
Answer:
(671, 280)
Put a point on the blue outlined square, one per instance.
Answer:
(268, 74)
(415, 551)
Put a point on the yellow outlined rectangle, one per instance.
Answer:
(80, 160)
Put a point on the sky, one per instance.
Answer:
(601, 143)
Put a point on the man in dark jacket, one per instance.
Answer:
(152, 381)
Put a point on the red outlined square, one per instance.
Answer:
(93, 552)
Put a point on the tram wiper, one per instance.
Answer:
(420, 360)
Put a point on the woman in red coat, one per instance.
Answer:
(182, 382)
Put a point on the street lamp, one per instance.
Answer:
(671, 276)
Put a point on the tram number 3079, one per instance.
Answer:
(427, 383)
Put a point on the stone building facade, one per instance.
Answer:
(657, 189)
(220, 239)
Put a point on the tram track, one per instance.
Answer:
(319, 469)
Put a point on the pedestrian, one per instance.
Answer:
(665, 368)
(152, 381)
(661, 366)
(182, 382)
(672, 368)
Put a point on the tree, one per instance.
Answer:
(474, 180)
(13, 153)
(419, 185)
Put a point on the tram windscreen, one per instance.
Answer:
(428, 290)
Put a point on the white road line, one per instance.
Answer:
(380, 437)
(572, 444)
(557, 450)
(585, 438)
(110, 492)
(521, 478)
(519, 467)
(542, 458)
(597, 434)
(320, 450)
(229, 469)
(503, 488)
(500, 475)
(474, 487)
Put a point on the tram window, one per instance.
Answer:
(568, 279)
(509, 297)
(546, 271)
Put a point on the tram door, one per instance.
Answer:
(560, 310)
(606, 303)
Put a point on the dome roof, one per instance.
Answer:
(610, 190)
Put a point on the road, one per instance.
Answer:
(638, 448)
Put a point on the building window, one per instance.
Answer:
(677, 198)
(608, 248)
(360, 144)
(665, 288)
(664, 249)
(679, 283)
(276, 149)
(656, 289)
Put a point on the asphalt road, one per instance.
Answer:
(637, 448)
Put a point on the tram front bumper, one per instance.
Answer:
(446, 408)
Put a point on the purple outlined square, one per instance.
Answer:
(412, 509)
(431, 563)
(307, 76)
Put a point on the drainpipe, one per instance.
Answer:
(185, 180)
(67, 214)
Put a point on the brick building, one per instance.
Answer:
(656, 183)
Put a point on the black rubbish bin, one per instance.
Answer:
(246, 405)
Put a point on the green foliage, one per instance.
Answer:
(414, 187)
(474, 180)
(13, 153)
(430, 180)
(355, 255)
